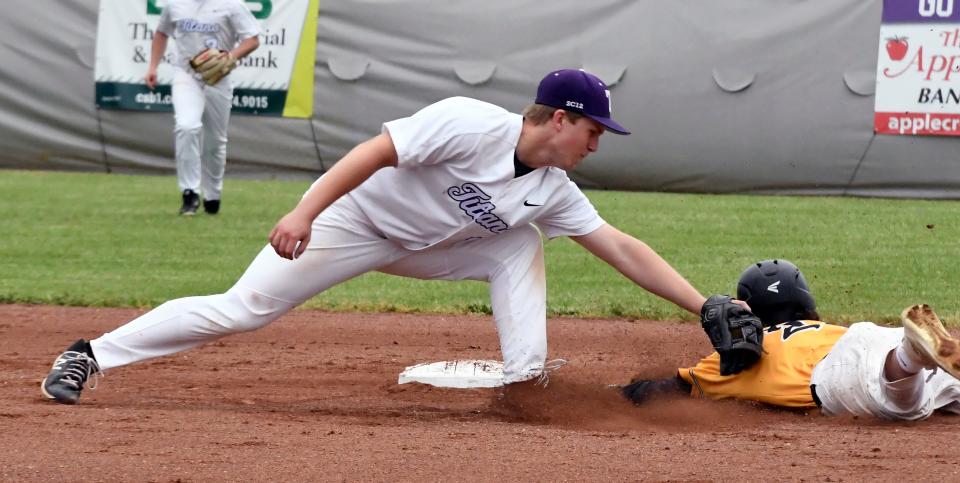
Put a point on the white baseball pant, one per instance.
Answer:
(343, 245)
(201, 115)
(850, 379)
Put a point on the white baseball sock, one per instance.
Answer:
(908, 358)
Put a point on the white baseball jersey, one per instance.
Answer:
(197, 25)
(455, 181)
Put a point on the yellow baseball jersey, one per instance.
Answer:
(781, 377)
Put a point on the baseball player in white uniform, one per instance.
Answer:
(201, 111)
(460, 190)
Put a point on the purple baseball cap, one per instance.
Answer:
(581, 92)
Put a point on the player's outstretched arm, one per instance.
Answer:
(643, 265)
(291, 235)
(641, 391)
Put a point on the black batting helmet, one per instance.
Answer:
(776, 292)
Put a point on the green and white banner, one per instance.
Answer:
(275, 80)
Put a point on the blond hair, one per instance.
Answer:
(539, 114)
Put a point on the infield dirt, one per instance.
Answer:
(314, 397)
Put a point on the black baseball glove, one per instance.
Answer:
(736, 334)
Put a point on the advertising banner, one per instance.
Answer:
(274, 80)
(917, 68)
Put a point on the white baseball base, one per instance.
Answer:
(458, 374)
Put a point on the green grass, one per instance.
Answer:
(115, 240)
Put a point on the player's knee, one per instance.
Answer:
(522, 255)
(529, 244)
(182, 127)
(248, 310)
(215, 148)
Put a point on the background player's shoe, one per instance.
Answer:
(70, 371)
(212, 207)
(191, 201)
(925, 333)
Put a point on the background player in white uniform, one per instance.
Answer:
(453, 192)
(201, 112)
(889, 373)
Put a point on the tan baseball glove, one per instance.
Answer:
(213, 65)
